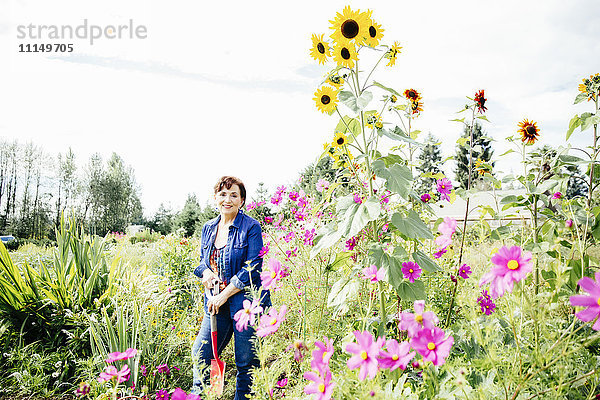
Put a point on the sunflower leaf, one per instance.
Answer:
(364, 99)
(425, 262)
(398, 177)
(348, 125)
(580, 97)
(354, 103)
(483, 117)
(411, 225)
(586, 120)
(386, 88)
(398, 134)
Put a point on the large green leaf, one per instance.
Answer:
(398, 177)
(354, 103)
(580, 97)
(357, 216)
(349, 126)
(425, 262)
(327, 237)
(411, 226)
(411, 291)
(392, 264)
(573, 124)
(342, 291)
(386, 88)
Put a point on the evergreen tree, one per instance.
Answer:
(430, 160)
(482, 150)
(577, 185)
(188, 216)
(322, 169)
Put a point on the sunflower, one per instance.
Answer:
(481, 167)
(326, 99)
(591, 86)
(393, 98)
(374, 120)
(529, 131)
(320, 49)
(345, 55)
(391, 54)
(412, 94)
(480, 101)
(339, 140)
(350, 26)
(416, 106)
(374, 32)
(335, 80)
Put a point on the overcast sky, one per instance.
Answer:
(221, 88)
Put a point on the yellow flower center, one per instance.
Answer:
(431, 346)
(410, 270)
(443, 187)
(513, 264)
(395, 357)
(321, 388)
(273, 275)
(274, 321)
(364, 355)
(247, 311)
(598, 301)
(419, 318)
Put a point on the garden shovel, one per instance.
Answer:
(217, 366)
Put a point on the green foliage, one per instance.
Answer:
(429, 161)
(481, 149)
(187, 219)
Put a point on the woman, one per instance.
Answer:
(230, 246)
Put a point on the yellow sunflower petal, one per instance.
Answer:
(349, 27)
(326, 99)
(392, 53)
(374, 32)
(320, 49)
(345, 55)
(339, 140)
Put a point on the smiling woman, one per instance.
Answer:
(229, 266)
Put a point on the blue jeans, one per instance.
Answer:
(245, 353)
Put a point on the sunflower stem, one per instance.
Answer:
(368, 76)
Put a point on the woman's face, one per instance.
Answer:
(229, 200)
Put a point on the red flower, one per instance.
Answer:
(480, 101)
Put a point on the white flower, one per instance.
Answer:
(55, 374)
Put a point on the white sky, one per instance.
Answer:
(226, 87)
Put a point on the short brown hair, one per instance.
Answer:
(227, 182)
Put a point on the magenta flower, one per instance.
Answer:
(321, 386)
(411, 270)
(143, 370)
(486, 303)
(271, 277)
(592, 302)
(293, 195)
(444, 187)
(282, 383)
(268, 220)
(322, 185)
(111, 372)
(396, 356)
(557, 195)
(180, 394)
(426, 198)
(247, 315)
(430, 343)
(162, 394)
(351, 243)
(163, 369)
(264, 251)
(421, 319)
(322, 354)
(464, 271)
(83, 389)
(511, 265)
(365, 354)
(373, 274)
(440, 252)
(270, 323)
(569, 223)
(117, 356)
(309, 236)
(358, 198)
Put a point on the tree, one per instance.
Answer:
(482, 150)
(66, 181)
(322, 169)
(162, 221)
(188, 216)
(430, 160)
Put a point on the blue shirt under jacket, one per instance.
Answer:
(242, 263)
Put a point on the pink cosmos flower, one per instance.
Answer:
(421, 319)
(322, 354)
(430, 343)
(440, 252)
(592, 302)
(557, 195)
(464, 271)
(373, 274)
(251, 206)
(365, 354)
(444, 187)
(511, 265)
(293, 195)
(358, 198)
(163, 369)
(180, 394)
(247, 315)
(270, 323)
(411, 270)
(396, 356)
(111, 372)
(426, 198)
(309, 236)
(569, 223)
(351, 243)
(486, 303)
(268, 220)
(271, 277)
(322, 185)
(321, 386)
(264, 250)
(289, 236)
(447, 227)
(117, 356)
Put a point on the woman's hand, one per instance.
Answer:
(208, 279)
(216, 301)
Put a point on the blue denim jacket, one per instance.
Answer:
(243, 245)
